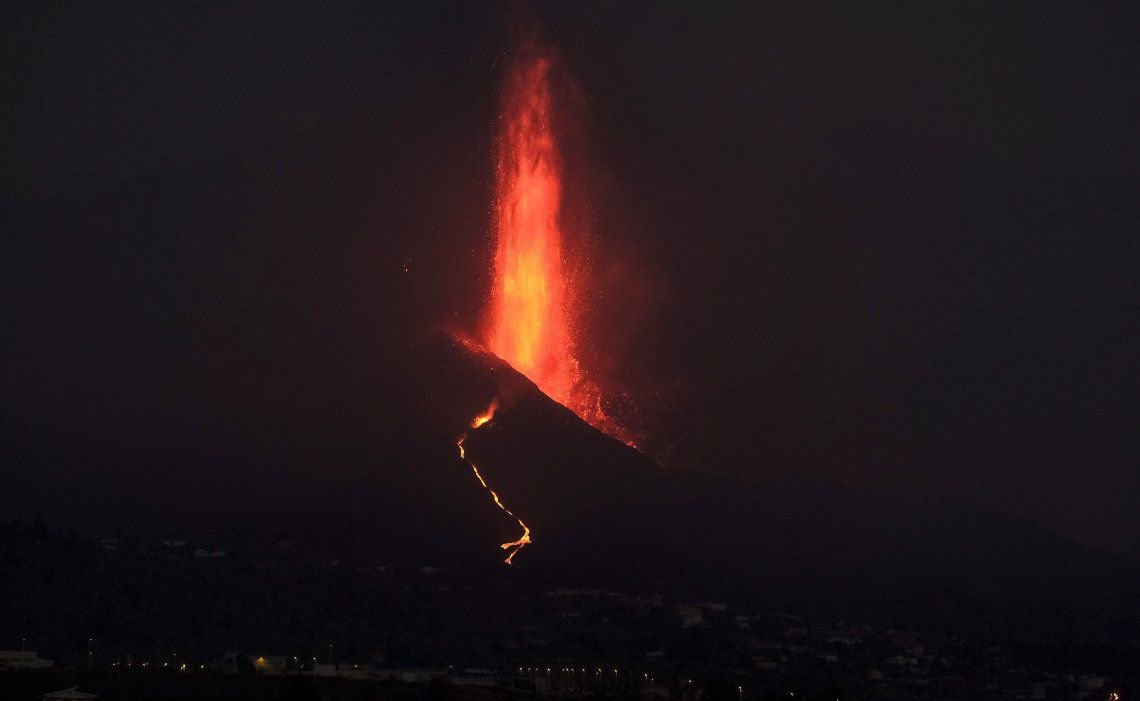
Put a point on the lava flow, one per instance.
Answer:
(514, 546)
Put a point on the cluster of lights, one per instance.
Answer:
(572, 671)
(131, 664)
(648, 680)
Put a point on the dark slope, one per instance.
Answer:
(604, 515)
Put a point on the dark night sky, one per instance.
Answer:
(893, 244)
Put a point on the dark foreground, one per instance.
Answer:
(248, 687)
(138, 619)
(251, 686)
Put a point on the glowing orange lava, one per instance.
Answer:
(529, 324)
(533, 322)
(486, 415)
(514, 546)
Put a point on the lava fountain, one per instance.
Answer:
(530, 325)
(533, 321)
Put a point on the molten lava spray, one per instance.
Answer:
(533, 320)
(515, 546)
(530, 325)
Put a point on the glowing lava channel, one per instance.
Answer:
(514, 546)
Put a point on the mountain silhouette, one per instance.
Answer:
(602, 514)
(253, 347)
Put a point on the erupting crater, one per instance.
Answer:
(532, 321)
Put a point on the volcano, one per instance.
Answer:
(604, 515)
(250, 347)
